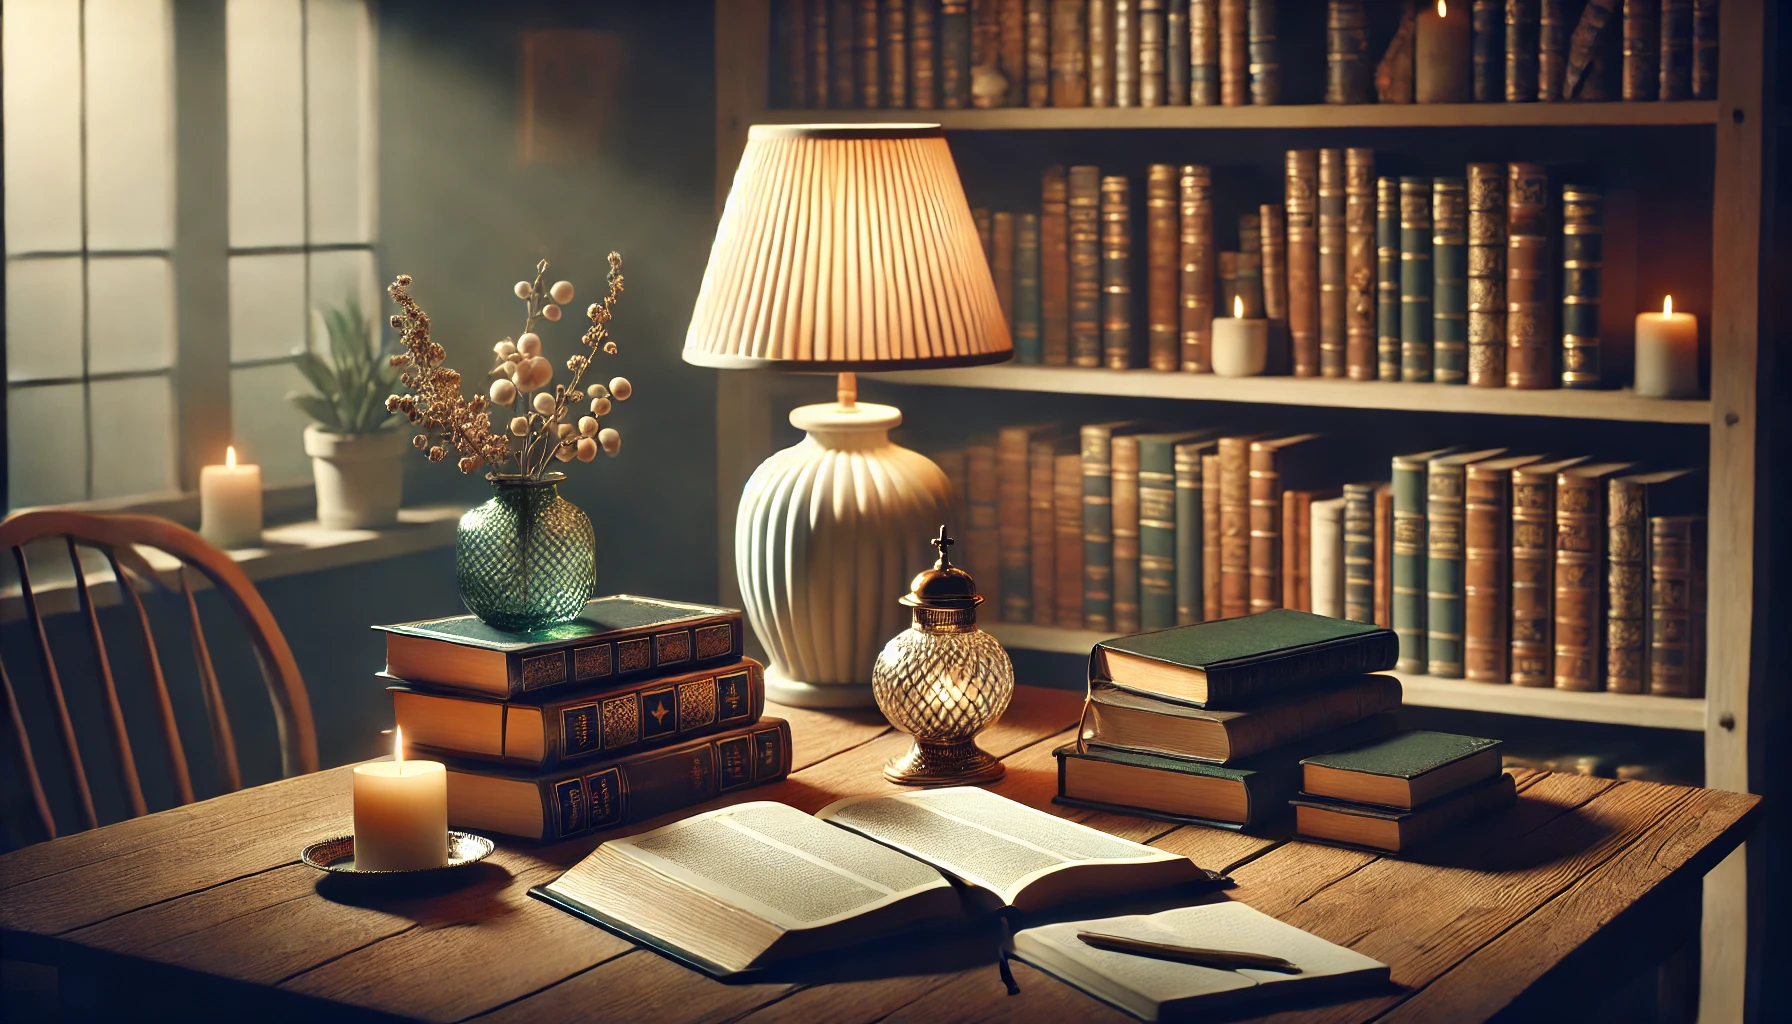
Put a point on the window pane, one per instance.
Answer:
(265, 427)
(46, 459)
(41, 58)
(130, 314)
(133, 436)
(267, 306)
(130, 124)
(265, 121)
(43, 318)
(340, 84)
(337, 276)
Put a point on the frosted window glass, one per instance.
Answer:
(130, 314)
(336, 276)
(265, 427)
(43, 319)
(46, 458)
(133, 436)
(340, 83)
(267, 306)
(265, 121)
(130, 124)
(40, 54)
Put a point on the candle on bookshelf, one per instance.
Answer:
(1441, 62)
(230, 503)
(1667, 353)
(1240, 343)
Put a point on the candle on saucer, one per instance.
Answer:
(1240, 343)
(1441, 53)
(1667, 353)
(401, 813)
(230, 503)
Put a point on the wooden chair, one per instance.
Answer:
(117, 538)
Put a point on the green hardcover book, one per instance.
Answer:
(1116, 273)
(1191, 498)
(1583, 250)
(1415, 279)
(1098, 521)
(1445, 519)
(1387, 279)
(1406, 769)
(1158, 455)
(1449, 280)
(1409, 556)
(1027, 341)
(1359, 551)
(1376, 829)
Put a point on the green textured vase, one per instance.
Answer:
(527, 558)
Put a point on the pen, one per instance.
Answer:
(1222, 959)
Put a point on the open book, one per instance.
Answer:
(739, 888)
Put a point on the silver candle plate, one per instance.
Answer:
(338, 855)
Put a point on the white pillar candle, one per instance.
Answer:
(230, 503)
(1240, 345)
(401, 814)
(1667, 353)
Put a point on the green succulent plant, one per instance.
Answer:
(352, 387)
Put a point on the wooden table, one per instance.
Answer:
(207, 906)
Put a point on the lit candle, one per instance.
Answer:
(230, 503)
(1441, 60)
(1667, 353)
(1240, 344)
(401, 813)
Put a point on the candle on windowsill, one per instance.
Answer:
(1667, 353)
(1441, 53)
(230, 503)
(1240, 344)
(401, 813)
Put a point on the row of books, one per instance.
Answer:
(636, 708)
(1396, 279)
(1499, 568)
(1149, 53)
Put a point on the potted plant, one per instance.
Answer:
(354, 442)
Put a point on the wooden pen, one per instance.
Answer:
(1221, 959)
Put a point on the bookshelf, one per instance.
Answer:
(1723, 141)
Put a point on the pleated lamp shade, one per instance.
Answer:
(846, 247)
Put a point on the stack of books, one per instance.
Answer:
(636, 708)
(1397, 792)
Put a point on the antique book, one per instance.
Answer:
(952, 463)
(1406, 769)
(1263, 52)
(1233, 54)
(1677, 606)
(1101, 52)
(1487, 45)
(1592, 52)
(1332, 283)
(1359, 551)
(1116, 273)
(1704, 49)
(1098, 521)
(1026, 290)
(1176, 53)
(1162, 268)
(1631, 502)
(560, 803)
(614, 639)
(1384, 556)
(1211, 538)
(955, 54)
(1529, 362)
(815, 45)
(868, 68)
(543, 730)
(1235, 527)
(1191, 498)
(1552, 48)
(1122, 719)
(1054, 267)
(1247, 282)
(983, 545)
(1449, 281)
(1153, 55)
(985, 237)
(989, 86)
(1126, 52)
(1159, 456)
(1043, 453)
(1583, 254)
(1084, 233)
(1394, 74)
(1014, 517)
(1415, 279)
(1642, 52)
(1580, 574)
(741, 888)
(1445, 483)
(1409, 556)
(923, 50)
(790, 58)
(1230, 300)
(1124, 512)
(1487, 275)
(1298, 462)
(1001, 264)
(1674, 76)
(1067, 554)
(1396, 830)
(1297, 552)
(1533, 571)
(1387, 279)
(1196, 266)
(894, 56)
(1522, 50)
(1347, 69)
(1486, 575)
(843, 84)
(1301, 189)
(1359, 264)
(1011, 50)
(1070, 68)
(1204, 53)
(1326, 557)
(1038, 44)
(1272, 244)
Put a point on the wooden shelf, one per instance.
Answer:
(1430, 115)
(1682, 713)
(1348, 394)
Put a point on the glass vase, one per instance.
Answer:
(526, 559)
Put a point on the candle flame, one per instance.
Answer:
(398, 744)
(230, 455)
(1238, 306)
(1667, 306)
(1442, 11)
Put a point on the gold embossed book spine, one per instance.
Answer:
(1487, 40)
(1176, 53)
(866, 34)
(1100, 36)
(1098, 525)
(1416, 279)
(1529, 325)
(1124, 493)
(1445, 481)
(1272, 234)
(1449, 281)
(1359, 551)
(1069, 54)
(1580, 598)
(1116, 273)
(1332, 301)
(1039, 51)
(1704, 49)
(1263, 51)
(1552, 48)
(1233, 61)
(1387, 279)
(1359, 264)
(1676, 606)
(1486, 275)
(1067, 554)
(1675, 72)
(1011, 50)
(1190, 496)
(1533, 574)
(1627, 585)
(1203, 53)
(955, 54)
(1347, 68)
(1247, 268)
(1583, 254)
(1211, 536)
(1196, 267)
(1054, 267)
(1642, 53)
(1234, 527)
(1266, 525)
(1126, 53)
(923, 49)
(1522, 46)
(1152, 53)
(1486, 576)
(1001, 262)
(1162, 250)
(1026, 289)
(894, 56)
(1085, 266)
(1301, 191)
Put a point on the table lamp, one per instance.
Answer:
(841, 248)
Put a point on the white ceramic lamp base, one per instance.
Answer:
(829, 534)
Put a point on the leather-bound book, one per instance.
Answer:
(1234, 64)
(1359, 551)
(1011, 53)
(1163, 275)
(1228, 276)
(1001, 263)
(1704, 49)
(1359, 264)
(1250, 238)
(1152, 55)
(1409, 556)
(1486, 577)
(1067, 553)
(1272, 234)
(1580, 574)
(1300, 194)
(1583, 254)
(1299, 549)
(790, 58)
(1126, 53)
(1124, 495)
(1203, 53)
(1630, 503)
(1116, 273)
(1384, 556)
(1038, 44)
(1235, 527)
(1247, 282)
(1159, 517)
(955, 54)
(1176, 49)
(1593, 53)
(923, 54)
(1085, 265)
(1445, 568)
(1327, 554)
(1552, 48)
(983, 539)
(866, 35)
(1026, 290)
(1487, 50)
(1387, 278)
(1642, 51)
(1449, 281)
(1332, 301)
(1101, 53)
(1533, 571)
(1069, 54)
(1528, 321)
(1054, 267)
(989, 86)
(1347, 71)
(1487, 275)
(1674, 76)
(1394, 75)
(1098, 521)
(1189, 459)
(1522, 51)
(894, 57)
(985, 235)
(1415, 279)
(1043, 453)
(1677, 606)
(815, 52)
(1301, 462)
(1196, 266)
(1263, 52)
(1014, 518)
(1212, 538)
(843, 83)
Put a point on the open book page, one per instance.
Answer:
(986, 840)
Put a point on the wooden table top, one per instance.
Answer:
(1564, 885)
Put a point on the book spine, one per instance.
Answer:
(1235, 527)
(1100, 34)
(1039, 53)
(1152, 47)
(1387, 279)
(1533, 577)
(1528, 362)
(1042, 531)
(1444, 570)
(1126, 53)
(815, 46)
(1487, 545)
(1026, 290)
(1486, 276)
(1189, 568)
(983, 538)
(1415, 279)
(1272, 230)
(1084, 221)
(1522, 51)
(1583, 253)
(1325, 558)
(1098, 528)
(1642, 56)
(621, 654)
(1301, 188)
(1264, 526)
(1359, 552)
(1067, 513)
(1124, 498)
(1552, 48)
(842, 83)
(1487, 50)
(985, 238)
(1626, 587)
(1163, 273)
(894, 57)
(1232, 53)
(865, 56)
(1704, 49)
(1346, 52)
(1014, 523)
(1011, 17)
(1157, 535)
(1228, 276)
(1212, 537)
(1250, 237)
(1384, 556)
(1054, 268)
(1001, 264)
(1676, 641)
(955, 54)
(1176, 53)
(1247, 281)
(1675, 72)
(1203, 53)
(1116, 273)
(1409, 564)
(1449, 281)
(1070, 67)
(986, 55)
(1290, 563)
(1333, 304)
(1263, 52)
(652, 714)
(923, 48)
(1580, 587)
(1585, 70)
(790, 58)
(1359, 264)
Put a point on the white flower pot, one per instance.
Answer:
(360, 477)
